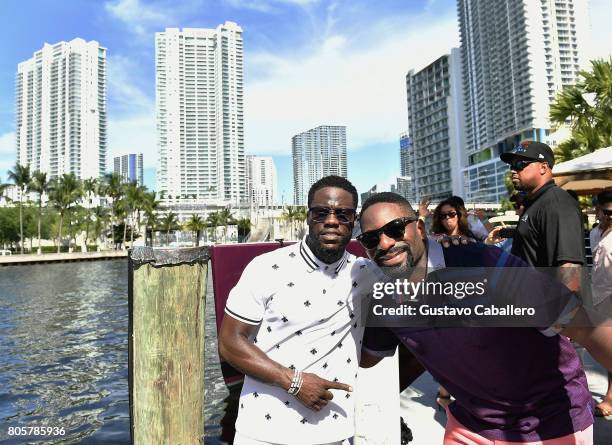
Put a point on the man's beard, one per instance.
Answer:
(402, 270)
(327, 254)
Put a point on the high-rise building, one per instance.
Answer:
(517, 55)
(61, 109)
(405, 183)
(317, 153)
(261, 179)
(199, 100)
(435, 119)
(129, 167)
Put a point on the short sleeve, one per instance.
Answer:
(563, 232)
(246, 301)
(380, 342)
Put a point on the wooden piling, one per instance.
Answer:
(167, 290)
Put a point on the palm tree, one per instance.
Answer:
(20, 176)
(64, 193)
(40, 185)
(289, 215)
(196, 224)
(300, 216)
(225, 218)
(114, 190)
(587, 108)
(100, 216)
(133, 202)
(150, 205)
(213, 221)
(169, 222)
(244, 227)
(90, 189)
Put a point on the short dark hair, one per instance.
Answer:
(333, 181)
(604, 197)
(387, 197)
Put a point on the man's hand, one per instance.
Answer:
(494, 237)
(315, 393)
(423, 210)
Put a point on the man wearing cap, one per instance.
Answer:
(549, 232)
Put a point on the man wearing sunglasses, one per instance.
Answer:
(511, 384)
(549, 233)
(291, 326)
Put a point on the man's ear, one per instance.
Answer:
(421, 229)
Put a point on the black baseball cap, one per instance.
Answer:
(531, 150)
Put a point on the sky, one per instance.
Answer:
(307, 63)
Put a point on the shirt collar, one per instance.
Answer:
(313, 263)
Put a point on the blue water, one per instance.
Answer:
(64, 354)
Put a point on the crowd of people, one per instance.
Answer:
(292, 323)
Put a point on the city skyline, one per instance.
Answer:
(336, 63)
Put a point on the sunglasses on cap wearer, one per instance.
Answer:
(446, 215)
(518, 165)
(393, 229)
(606, 212)
(344, 216)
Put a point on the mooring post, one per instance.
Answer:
(167, 290)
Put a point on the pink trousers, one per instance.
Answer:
(457, 434)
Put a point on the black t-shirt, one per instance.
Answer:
(550, 230)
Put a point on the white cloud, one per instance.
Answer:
(8, 143)
(137, 15)
(133, 134)
(357, 80)
(126, 95)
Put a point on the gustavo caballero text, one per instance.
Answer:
(427, 310)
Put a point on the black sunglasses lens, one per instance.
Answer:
(369, 240)
(319, 213)
(395, 229)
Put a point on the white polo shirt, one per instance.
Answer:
(309, 317)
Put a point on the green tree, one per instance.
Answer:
(39, 184)
(587, 108)
(100, 217)
(196, 224)
(290, 215)
(113, 189)
(20, 175)
(90, 189)
(65, 192)
(244, 228)
(150, 206)
(213, 221)
(9, 227)
(225, 219)
(169, 222)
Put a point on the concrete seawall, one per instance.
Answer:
(14, 260)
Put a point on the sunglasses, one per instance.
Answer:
(393, 229)
(446, 215)
(520, 165)
(607, 212)
(344, 216)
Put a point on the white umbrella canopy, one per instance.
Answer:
(586, 175)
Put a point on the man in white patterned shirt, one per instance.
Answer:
(293, 327)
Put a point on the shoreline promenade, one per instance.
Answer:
(64, 257)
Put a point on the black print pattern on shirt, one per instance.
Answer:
(354, 283)
(275, 266)
(307, 303)
(285, 319)
(313, 351)
(340, 303)
(335, 416)
(268, 416)
(290, 284)
(269, 329)
(304, 420)
(292, 254)
(298, 332)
